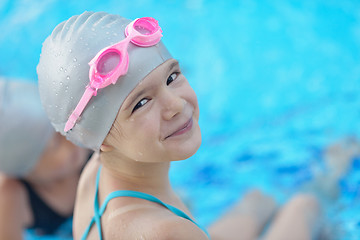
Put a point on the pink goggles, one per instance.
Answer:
(112, 62)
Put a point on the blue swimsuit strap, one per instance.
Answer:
(98, 212)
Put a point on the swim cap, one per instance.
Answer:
(63, 73)
(24, 129)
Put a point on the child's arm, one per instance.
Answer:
(14, 211)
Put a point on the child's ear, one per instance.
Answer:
(106, 148)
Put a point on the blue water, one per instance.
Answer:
(277, 82)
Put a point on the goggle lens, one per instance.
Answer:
(145, 27)
(108, 62)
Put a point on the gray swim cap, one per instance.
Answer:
(63, 73)
(24, 127)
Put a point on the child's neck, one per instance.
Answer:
(134, 175)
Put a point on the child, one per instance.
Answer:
(39, 169)
(138, 117)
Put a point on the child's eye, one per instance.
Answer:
(141, 103)
(172, 77)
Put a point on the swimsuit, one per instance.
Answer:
(46, 220)
(127, 193)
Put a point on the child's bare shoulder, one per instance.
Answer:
(88, 175)
(12, 192)
(142, 221)
(14, 206)
(84, 202)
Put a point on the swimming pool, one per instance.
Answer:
(276, 82)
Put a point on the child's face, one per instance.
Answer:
(158, 121)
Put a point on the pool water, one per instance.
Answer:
(277, 83)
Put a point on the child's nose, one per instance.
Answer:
(172, 104)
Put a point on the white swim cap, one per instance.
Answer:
(24, 127)
(63, 73)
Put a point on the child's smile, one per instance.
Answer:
(160, 118)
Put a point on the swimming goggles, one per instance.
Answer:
(112, 62)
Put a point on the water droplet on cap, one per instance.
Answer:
(68, 77)
(74, 59)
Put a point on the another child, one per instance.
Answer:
(39, 168)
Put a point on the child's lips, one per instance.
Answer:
(182, 129)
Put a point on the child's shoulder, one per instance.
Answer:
(84, 202)
(9, 184)
(11, 189)
(148, 221)
(88, 175)
(14, 203)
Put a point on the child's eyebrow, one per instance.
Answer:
(174, 64)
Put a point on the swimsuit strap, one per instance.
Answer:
(128, 193)
(97, 216)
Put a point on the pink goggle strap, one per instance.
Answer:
(88, 94)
